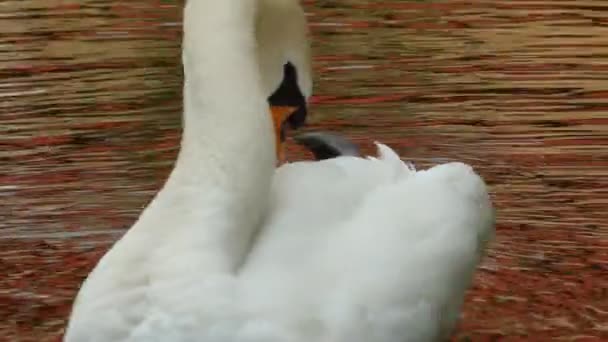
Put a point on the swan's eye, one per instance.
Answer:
(288, 94)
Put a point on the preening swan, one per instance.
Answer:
(232, 249)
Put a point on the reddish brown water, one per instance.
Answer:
(90, 116)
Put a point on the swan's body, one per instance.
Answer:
(343, 250)
(368, 249)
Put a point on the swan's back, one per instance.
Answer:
(369, 249)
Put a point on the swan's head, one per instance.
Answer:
(285, 62)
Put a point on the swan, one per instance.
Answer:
(343, 249)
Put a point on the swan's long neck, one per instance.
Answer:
(217, 192)
(226, 118)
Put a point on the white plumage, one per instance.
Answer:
(230, 250)
(370, 249)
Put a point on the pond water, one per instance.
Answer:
(90, 102)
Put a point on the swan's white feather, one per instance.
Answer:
(370, 249)
(353, 250)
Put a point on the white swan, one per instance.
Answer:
(349, 249)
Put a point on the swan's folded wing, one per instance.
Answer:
(309, 198)
(332, 189)
(405, 259)
(371, 249)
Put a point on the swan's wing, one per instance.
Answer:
(308, 198)
(369, 249)
(405, 259)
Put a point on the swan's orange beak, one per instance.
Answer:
(279, 115)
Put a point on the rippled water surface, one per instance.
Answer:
(90, 101)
